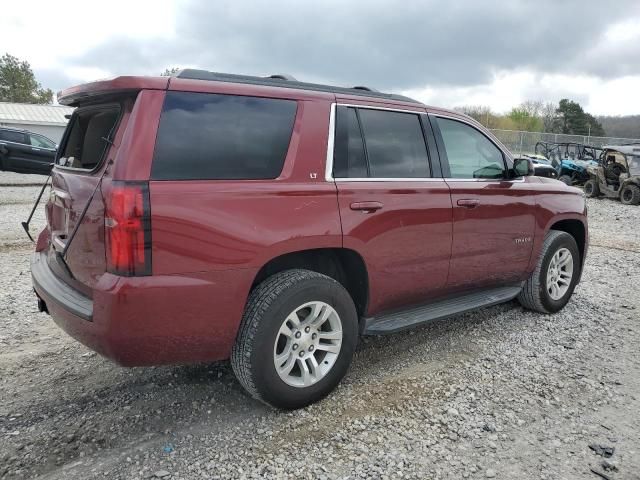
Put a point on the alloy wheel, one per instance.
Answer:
(559, 273)
(307, 344)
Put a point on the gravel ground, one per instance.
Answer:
(500, 393)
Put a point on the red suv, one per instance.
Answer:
(210, 216)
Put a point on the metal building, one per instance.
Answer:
(47, 120)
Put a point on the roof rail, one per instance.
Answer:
(283, 76)
(286, 81)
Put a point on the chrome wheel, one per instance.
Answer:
(307, 344)
(559, 274)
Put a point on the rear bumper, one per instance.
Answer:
(154, 320)
(53, 290)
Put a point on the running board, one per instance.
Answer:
(401, 320)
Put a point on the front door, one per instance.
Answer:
(395, 212)
(493, 215)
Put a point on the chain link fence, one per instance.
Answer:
(525, 142)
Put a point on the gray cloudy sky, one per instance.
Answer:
(446, 53)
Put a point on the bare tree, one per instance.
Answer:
(549, 116)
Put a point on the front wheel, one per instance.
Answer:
(551, 285)
(566, 179)
(591, 188)
(296, 340)
(630, 195)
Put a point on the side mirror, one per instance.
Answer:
(523, 167)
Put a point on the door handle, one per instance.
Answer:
(468, 202)
(367, 207)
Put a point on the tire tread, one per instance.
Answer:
(260, 300)
(530, 296)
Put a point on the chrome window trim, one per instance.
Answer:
(331, 144)
(382, 179)
(368, 107)
(453, 179)
(328, 169)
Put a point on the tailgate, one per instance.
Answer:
(89, 144)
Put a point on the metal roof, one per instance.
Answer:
(27, 113)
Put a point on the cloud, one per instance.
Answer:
(412, 45)
(390, 47)
(509, 88)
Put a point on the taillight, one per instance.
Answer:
(127, 225)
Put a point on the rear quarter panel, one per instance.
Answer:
(215, 225)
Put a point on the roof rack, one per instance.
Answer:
(286, 81)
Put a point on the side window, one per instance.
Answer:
(41, 142)
(394, 144)
(11, 136)
(349, 160)
(212, 136)
(470, 153)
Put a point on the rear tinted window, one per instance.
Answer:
(11, 136)
(395, 144)
(349, 158)
(211, 136)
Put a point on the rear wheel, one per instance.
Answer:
(566, 179)
(591, 188)
(551, 285)
(630, 195)
(296, 340)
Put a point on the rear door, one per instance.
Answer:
(493, 215)
(395, 207)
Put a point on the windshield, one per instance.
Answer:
(634, 165)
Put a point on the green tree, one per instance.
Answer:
(573, 120)
(524, 119)
(18, 83)
(594, 127)
(170, 71)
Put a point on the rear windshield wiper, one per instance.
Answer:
(84, 212)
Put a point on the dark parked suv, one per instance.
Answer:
(25, 152)
(209, 216)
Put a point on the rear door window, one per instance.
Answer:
(11, 136)
(349, 157)
(89, 134)
(212, 136)
(395, 144)
(379, 144)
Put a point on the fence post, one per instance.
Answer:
(521, 140)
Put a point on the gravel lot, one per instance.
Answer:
(501, 393)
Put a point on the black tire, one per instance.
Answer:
(268, 305)
(630, 195)
(534, 294)
(566, 179)
(591, 188)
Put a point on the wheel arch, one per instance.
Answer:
(344, 265)
(577, 229)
